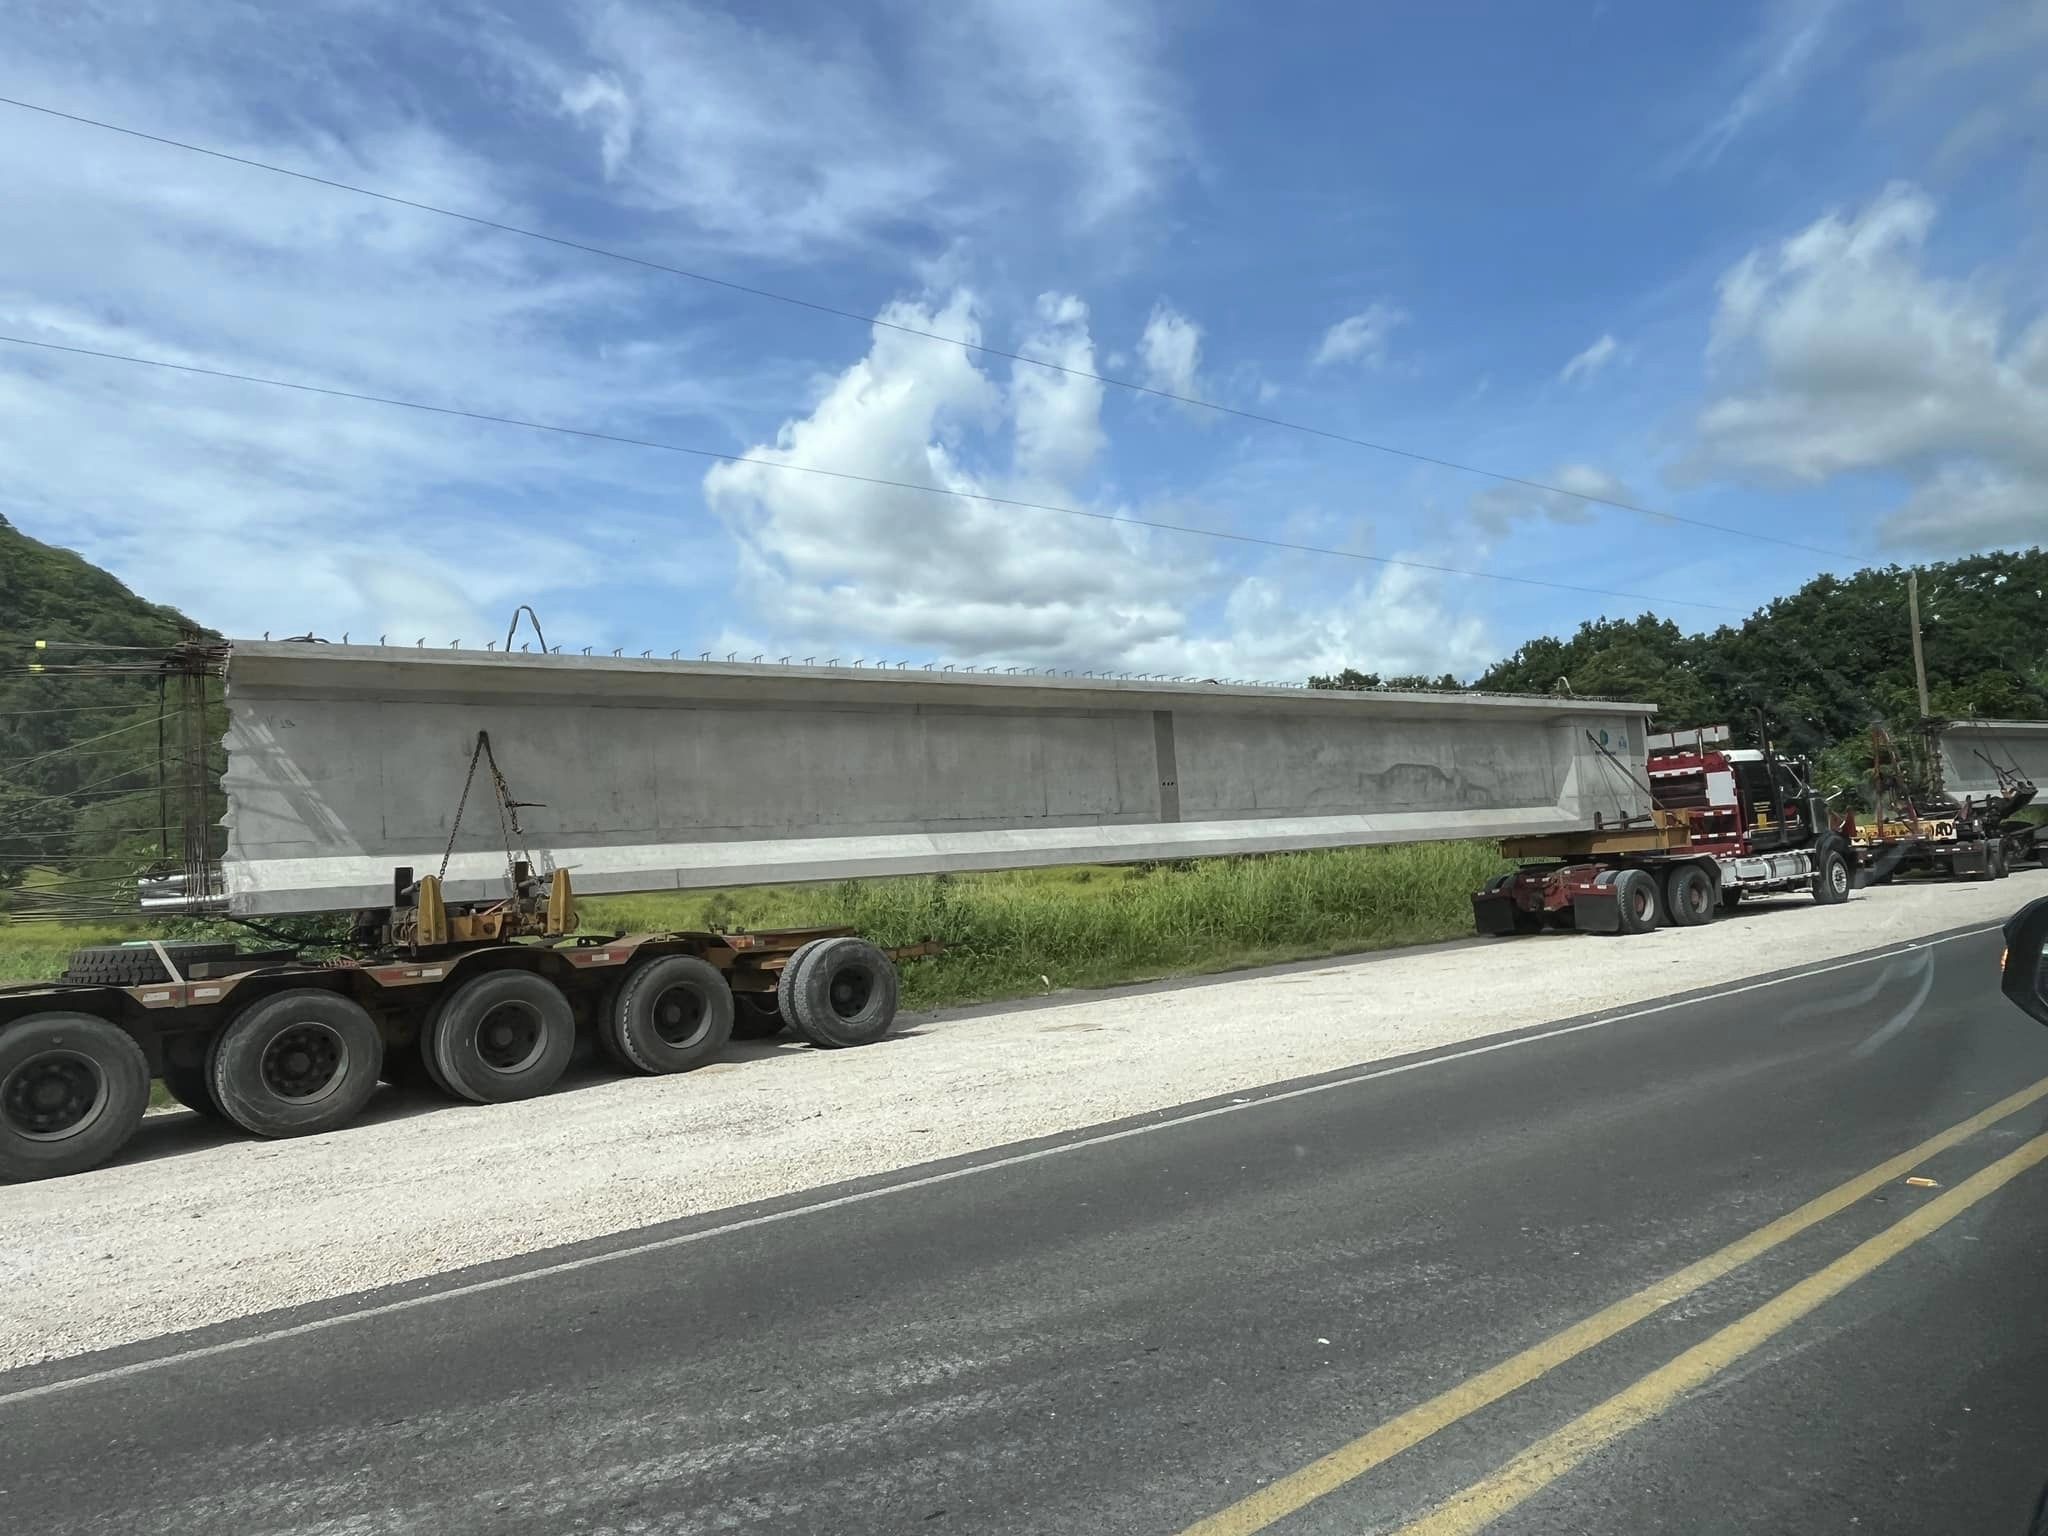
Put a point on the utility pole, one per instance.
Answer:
(1919, 660)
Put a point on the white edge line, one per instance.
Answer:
(926, 1181)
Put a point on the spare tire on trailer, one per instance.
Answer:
(136, 965)
(845, 993)
(296, 1063)
(72, 1091)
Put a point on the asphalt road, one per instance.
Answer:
(1134, 1332)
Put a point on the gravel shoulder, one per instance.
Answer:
(193, 1228)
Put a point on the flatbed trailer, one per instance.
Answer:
(488, 1005)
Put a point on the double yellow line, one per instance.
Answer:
(1550, 1458)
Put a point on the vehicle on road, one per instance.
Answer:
(1726, 824)
(2023, 967)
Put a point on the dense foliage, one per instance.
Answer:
(1821, 666)
(78, 752)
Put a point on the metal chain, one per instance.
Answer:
(482, 741)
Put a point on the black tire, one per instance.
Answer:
(502, 1036)
(673, 1014)
(186, 1081)
(296, 1063)
(1639, 902)
(785, 984)
(845, 994)
(406, 1067)
(1689, 896)
(1999, 867)
(756, 1016)
(72, 1091)
(1831, 877)
(136, 965)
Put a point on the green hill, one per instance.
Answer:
(78, 748)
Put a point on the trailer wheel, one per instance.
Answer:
(1689, 896)
(673, 1014)
(1831, 881)
(502, 1036)
(785, 984)
(296, 1063)
(186, 1082)
(1636, 898)
(845, 994)
(756, 1016)
(72, 1091)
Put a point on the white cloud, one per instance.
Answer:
(1059, 415)
(789, 139)
(1772, 69)
(602, 100)
(1170, 351)
(1591, 361)
(1976, 73)
(255, 509)
(1498, 507)
(866, 569)
(1361, 338)
(1841, 354)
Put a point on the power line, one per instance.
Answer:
(910, 330)
(858, 479)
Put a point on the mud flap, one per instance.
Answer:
(1970, 861)
(1597, 911)
(1492, 912)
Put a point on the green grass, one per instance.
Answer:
(1022, 932)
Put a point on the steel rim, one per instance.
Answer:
(54, 1095)
(510, 1037)
(304, 1062)
(850, 990)
(681, 1015)
(1838, 876)
(1640, 902)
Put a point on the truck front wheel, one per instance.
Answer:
(72, 1091)
(296, 1064)
(1831, 880)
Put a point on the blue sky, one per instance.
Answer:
(1775, 266)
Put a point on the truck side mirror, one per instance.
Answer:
(2025, 965)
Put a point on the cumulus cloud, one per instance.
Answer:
(1361, 338)
(1840, 354)
(1591, 361)
(1170, 351)
(1499, 507)
(857, 568)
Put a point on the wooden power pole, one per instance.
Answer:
(1919, 660)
